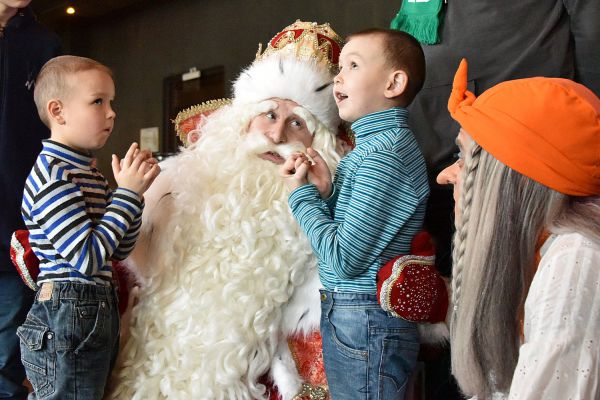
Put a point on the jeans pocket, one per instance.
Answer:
(38, 358)
(349, 332)
(90, 322)
(398, 361)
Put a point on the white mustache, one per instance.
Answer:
(257, 142)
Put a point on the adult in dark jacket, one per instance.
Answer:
(502, 40)
(24, 48)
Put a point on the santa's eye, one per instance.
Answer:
(296, 123)
(270, 115)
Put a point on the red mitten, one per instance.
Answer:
(24, 259)
(410, 286)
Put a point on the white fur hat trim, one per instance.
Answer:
(301, 81)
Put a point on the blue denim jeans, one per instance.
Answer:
(70, 341)
(367, 353)
(15, 301)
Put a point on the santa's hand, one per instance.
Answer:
(295, 170)
(319, 174)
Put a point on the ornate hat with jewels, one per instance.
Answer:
(189, 121)
(306, 40)
(298, 64)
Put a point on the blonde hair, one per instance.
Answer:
(52, 81)
(503, 214)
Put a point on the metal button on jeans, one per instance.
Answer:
(323, 297)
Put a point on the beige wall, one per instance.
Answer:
(169, 38)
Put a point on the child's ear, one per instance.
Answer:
(54, 109)
(396, 84)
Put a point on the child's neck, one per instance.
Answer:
(388, 104)
(380, 110)
(6, 13)
(60, 140)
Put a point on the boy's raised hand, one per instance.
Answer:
(298, 170)
(295, 170)
(319, 174)
(136, 171)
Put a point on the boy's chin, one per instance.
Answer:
(347, 116)
(95, 147)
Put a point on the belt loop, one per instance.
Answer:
(55, 295)
(115, 293)
(110, 295)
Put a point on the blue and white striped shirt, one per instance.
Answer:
(378, 204)
(76, 223)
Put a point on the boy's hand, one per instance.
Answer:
(319, 174)
(295, 170)
(136, 171)
(148, 162)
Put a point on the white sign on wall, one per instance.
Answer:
(149, 139)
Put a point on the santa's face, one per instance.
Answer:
(283, 128)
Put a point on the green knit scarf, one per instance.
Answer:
(420, 18)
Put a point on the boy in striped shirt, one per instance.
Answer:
(368, 216)
(69, 340)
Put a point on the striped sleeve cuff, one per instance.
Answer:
(130, 196)
(303, 193)
(128, 201)
(331, 200)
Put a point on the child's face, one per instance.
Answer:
(12, 4)
(360, 85)
(88, 117)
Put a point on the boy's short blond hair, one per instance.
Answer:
(51, 82)
(401, 51)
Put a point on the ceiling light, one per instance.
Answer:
(70, 10)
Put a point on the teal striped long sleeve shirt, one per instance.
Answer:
(76, 223)
(378, 204)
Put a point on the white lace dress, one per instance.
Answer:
(559, 359)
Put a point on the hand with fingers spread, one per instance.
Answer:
(136, 171)
(295, 170)
(149, 161)
(319, 173)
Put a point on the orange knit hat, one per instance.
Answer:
(547, 129)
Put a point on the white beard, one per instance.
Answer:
(217, 261)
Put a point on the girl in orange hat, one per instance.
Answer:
(527, 187)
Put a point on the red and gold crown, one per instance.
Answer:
(306, 40)
(299, 65)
